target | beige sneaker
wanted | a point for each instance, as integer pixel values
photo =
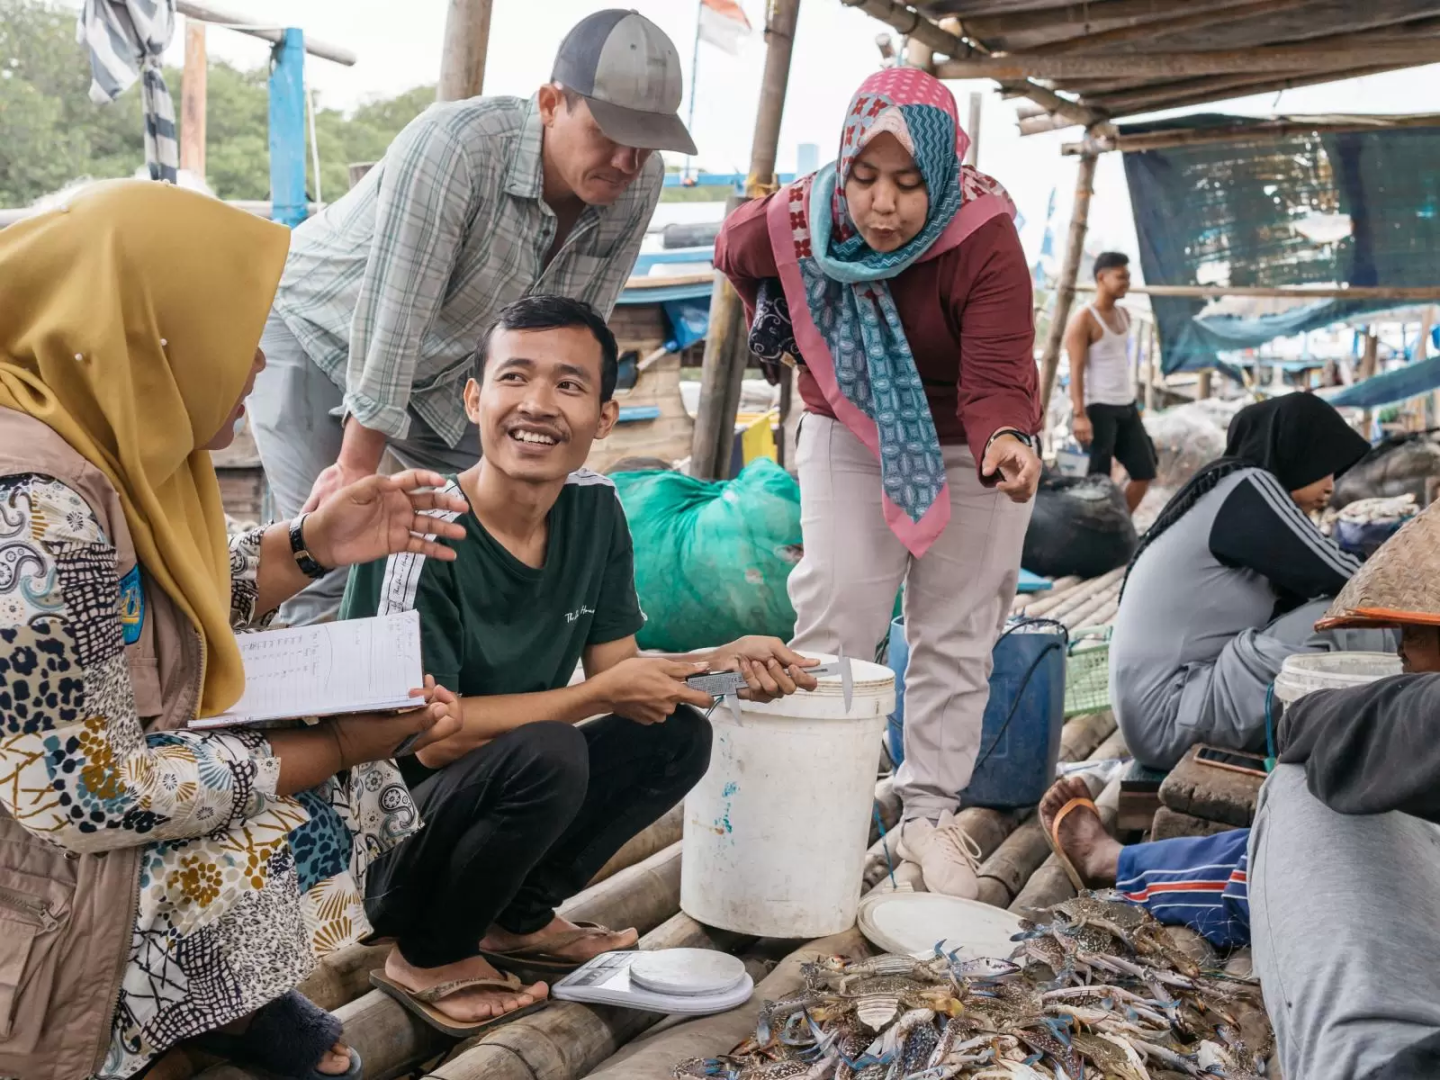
(947, 856)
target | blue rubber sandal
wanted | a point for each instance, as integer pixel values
(286, 1039)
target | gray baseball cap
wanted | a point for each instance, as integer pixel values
(628, 72)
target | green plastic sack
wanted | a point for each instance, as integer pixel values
(712, 557)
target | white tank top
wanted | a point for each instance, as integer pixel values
(1107, 365)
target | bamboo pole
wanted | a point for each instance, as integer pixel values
(1420, 293)
(1368, 361)
(462, 57)
(344, 975)
(1159, 65)
(656, 1055)
(192, 100)
(972, 153)
(919, 55)
(1264, 131)
(641, 896)
(949, 43)
(1086, 592)
(723, 368)
(1005, 873)
(1050, 884)
(1204, 384)
(1082, 14)
(1041, 602)
(1167, 25)
(659, 836)
(1065, 293)
(1085, 613)
(208, 12)
(989, 828)
(567, 1040)
(1216, 88)
(393, 1042)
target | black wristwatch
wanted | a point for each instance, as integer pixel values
(303, 559)
(1016, 433)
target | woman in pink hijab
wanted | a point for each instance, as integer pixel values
(895, 278)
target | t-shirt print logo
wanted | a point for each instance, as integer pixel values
(573, 615)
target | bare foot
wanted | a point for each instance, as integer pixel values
(466, 1006)
(1095, 853)
(578, 950)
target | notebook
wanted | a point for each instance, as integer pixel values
(360, 665)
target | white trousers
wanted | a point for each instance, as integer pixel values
(957, 597)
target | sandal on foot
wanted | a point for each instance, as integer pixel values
(286, 1040)
(422, 1002)
(1052, 837)
(539, 963)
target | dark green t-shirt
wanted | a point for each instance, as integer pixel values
(489, 624)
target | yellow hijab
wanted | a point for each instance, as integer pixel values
(128, 324)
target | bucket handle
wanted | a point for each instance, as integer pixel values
(1024, 685)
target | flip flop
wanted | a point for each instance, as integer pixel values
(1052, 837)
(538, 963)
(285, 1041)
(422, 1002)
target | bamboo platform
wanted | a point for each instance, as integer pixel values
(640, 887)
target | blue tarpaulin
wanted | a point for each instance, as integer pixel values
(1404, 383)
(1247, 213)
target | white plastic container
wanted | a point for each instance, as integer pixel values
(776, 831)
(1305, 673)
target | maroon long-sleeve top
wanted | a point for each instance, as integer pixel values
(967, 315)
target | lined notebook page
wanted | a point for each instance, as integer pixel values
(361, 665)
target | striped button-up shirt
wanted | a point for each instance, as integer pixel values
(389, 289)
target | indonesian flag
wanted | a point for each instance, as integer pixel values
(723, 24)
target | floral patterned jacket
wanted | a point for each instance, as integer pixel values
(226, 893)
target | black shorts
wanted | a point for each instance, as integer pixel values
(1120, 433)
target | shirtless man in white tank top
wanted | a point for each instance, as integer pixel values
(1102, 392)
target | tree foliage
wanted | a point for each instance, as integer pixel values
(52, 133)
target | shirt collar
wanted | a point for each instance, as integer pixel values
(525, 177)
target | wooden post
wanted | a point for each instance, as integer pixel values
(919, 55)
(972, 154)
(1432, 403)
(462, 63)
(1203, 385)
(358, 169)
(1065, 291)
(1368, 359)
(725, 348)
(783, 454)
(192, 100)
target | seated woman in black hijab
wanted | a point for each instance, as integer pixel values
(1230, 580)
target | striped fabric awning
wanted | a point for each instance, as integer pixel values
(126, 39)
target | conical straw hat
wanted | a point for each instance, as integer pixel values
(1400, 583)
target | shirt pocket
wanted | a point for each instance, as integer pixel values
(34, 912)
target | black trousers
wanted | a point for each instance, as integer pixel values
(1119, 432)
(520, 825)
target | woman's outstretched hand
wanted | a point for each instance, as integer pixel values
(384, 515)
(1017, 464)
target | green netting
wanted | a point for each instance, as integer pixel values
(1267, 213)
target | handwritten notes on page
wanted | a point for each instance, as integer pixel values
(361, 665)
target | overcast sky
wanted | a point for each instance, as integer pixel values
(835, 50)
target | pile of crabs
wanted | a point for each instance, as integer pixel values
(1099, 991)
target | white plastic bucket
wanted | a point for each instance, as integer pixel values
(1305, 673)
(776, 831)
(1072, 461)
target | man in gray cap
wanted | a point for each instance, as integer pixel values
(476, 203)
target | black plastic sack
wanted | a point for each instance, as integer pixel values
(1401, 465)
(1080, 526)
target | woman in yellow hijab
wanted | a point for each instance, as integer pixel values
(158, 884)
